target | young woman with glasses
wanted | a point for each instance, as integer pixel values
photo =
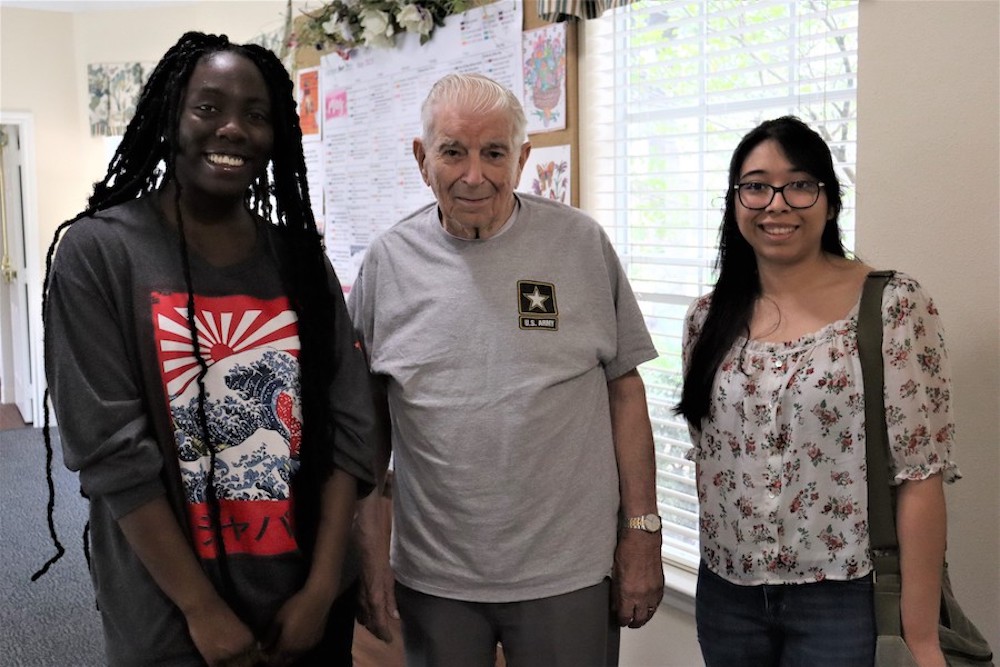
(775, 403)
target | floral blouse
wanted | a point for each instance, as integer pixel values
(780, 458)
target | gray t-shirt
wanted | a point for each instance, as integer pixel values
(497, 355)
(118, 355)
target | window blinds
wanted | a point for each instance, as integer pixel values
(667, 90)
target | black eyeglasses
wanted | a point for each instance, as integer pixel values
(798, 194)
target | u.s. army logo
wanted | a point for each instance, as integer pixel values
(536, 305)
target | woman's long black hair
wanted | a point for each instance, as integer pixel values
(738, 285)
(152, 137)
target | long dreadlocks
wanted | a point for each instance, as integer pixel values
(151, 139)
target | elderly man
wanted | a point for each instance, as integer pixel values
(506, 338)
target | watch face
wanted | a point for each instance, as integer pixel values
(651, 522)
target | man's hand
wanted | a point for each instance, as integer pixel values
(377, 604)
(377, 608)
(637, 581)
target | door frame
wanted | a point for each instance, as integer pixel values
(25, 122)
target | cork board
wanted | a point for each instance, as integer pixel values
(308, 56)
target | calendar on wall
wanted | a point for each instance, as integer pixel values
(370, 114)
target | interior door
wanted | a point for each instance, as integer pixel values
(14, 276)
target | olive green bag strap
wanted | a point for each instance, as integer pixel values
(961, 641)
(881, 505)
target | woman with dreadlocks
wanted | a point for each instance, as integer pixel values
(207, 383)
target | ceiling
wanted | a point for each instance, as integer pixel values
(89, 5)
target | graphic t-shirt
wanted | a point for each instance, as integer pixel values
(124, 382)
(253, 414)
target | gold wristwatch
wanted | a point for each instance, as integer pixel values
(647, 522)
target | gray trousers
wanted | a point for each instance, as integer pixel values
(571, 630)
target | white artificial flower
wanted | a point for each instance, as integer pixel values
(339, 27)
(330, 26)
(344, 31)
(377, 28)
(415, 19)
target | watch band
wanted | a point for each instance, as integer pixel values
(648, 522)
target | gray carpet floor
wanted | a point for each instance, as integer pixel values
(52, 622)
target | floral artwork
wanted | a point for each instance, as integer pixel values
(114, 90)
(552, 181)
(545, 78)
(346, 25)
(547, 174)
(99, 106)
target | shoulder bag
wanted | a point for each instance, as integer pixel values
(962, 643)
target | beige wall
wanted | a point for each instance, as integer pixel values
(38, 75)
(44, 62)
(929, 204)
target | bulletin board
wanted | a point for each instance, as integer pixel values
(369, 111)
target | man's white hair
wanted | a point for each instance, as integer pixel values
(477, 93)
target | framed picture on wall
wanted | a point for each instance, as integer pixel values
(547, 174)
(307, 86)
(544, 64)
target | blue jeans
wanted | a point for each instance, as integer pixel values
(821, 624)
